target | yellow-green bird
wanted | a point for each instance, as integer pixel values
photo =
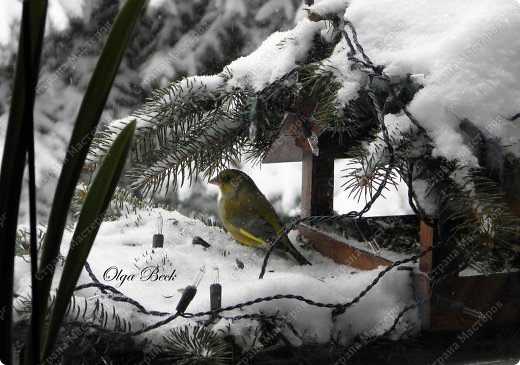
(247, 214)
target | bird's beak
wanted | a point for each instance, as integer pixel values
(214, 181)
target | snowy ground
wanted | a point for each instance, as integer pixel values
(125, 246)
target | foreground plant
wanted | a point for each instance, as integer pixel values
(11, 175)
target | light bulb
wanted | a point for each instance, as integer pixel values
(198, 277)
(215, 291)
(216, 275)
(313, 143)
(252, 131)
(159, 224)
(189, 292)
(374, 246)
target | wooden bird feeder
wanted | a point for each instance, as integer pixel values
(446, 305)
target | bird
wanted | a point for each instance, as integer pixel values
(247, 214)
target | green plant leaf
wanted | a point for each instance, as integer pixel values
(89, 221)
(84, 129)
(13, 161)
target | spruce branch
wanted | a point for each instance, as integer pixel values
(196, 345)
(207, 147)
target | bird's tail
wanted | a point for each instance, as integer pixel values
(288, 248)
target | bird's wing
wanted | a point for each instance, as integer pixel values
(255, 228)
(251, 224)
(251, 215)
(256, 222)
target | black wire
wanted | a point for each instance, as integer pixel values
(120, 297)
(93, 277)
(128, 334)
(358, 45)
(153, 326)
(378, 73)
(338, 308)
(417, 209)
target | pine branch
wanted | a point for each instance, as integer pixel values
(196, 345)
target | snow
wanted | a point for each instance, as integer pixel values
(329, 7)
(276, 56)
(350, 81)
(124, 246)
(469, 62)
(467, 50)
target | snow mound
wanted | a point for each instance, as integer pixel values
(124, 246)
(276, 56)
(468, 51)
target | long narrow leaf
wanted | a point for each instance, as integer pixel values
(86, 123)
(13, 161)
(32, 349)
(89, 221)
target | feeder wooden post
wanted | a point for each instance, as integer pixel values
(426, 234)
(422, 277)
(317, 181)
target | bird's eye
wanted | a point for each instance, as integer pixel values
(225, 178)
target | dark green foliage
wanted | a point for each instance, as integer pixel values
(18, 143)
